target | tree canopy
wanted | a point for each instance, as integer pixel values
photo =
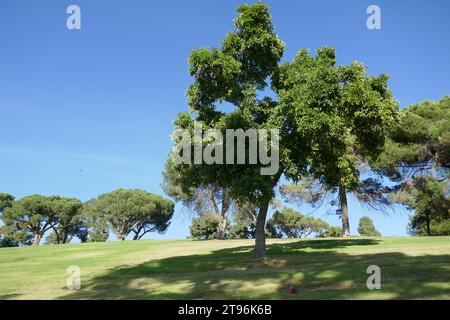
(133, 211)
(420, 143)
(204, 227)
(293, 224)
(340, 116)
(36, 214)
(32, 214)
(367, 228)
(417, 159)
(68, 220)
(429, 198)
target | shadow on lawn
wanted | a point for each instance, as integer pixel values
(232, 274)
(8, 296)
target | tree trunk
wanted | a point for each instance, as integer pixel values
(223, 216)
(221, 228)
(137, 231)
(260, 232)
(121, 237)
(428, 224)
(37, 239)
(58, 238)
(344, 210)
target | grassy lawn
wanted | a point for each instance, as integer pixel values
(319, 269)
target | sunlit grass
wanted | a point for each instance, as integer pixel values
(170, 269)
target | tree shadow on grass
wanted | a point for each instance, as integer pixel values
(232, 274)
(8, 296)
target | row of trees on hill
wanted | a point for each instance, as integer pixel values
(123, 212)
(341, 134)
(285, 223)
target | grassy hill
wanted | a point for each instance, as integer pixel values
(318, 269)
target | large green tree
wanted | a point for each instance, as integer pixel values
(420, 143)
(367, 228)
(67, 213)
(205, 226)
(417, 158)
(133, 211)
(340, 115)
(37, 214)
(237, 73)
(429, 198)
(327, 116)
(9, 237)
(31, 214)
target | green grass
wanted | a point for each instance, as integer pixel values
(411, 268)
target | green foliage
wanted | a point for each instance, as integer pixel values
(308, 190)
(6, 234)
(420, 141)
(272, 231)
(129, 211)
(367, 228)
(340, 115)
(11, 237)
(201, 199)
(235, 73)
(68, 220)
(293, 224)
(244, 221)
(95, 221)
(429, 198)
(31, 214)
(440, 228)
(51, 239)
(331, 231)
(98, 235)
(6, 201)
(241, 230)
(204, 227)
(35, 215)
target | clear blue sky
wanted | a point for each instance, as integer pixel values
(87, 111)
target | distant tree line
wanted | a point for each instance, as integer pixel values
(285, 223)
(123, 212)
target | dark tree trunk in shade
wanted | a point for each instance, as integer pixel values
(428, 224)
(344, 210)
(222, 226)
(260, 232)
